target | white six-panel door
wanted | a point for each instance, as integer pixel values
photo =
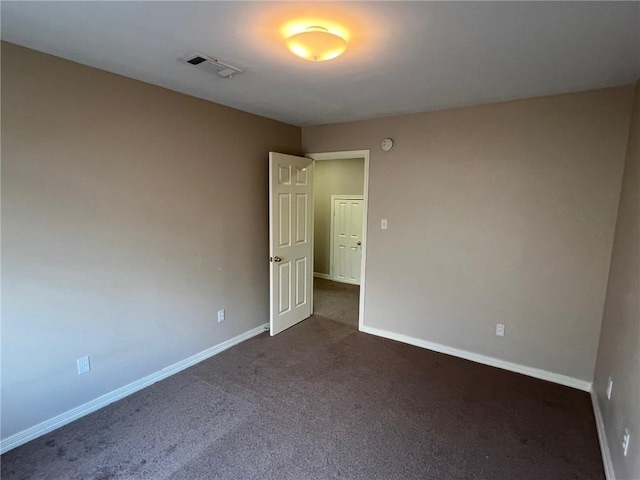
(346, 238)
(290, 240)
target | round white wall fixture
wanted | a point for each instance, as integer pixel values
(387, 144)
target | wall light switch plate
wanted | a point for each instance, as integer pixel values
(499, 330)
(221, 315)
(383, 224)
(84, 366)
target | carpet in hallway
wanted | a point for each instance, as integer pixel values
(337, 301)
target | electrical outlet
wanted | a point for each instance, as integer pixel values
(609, 388)
(84, 366)
(221, 315)
(499, 330)
(625, 441)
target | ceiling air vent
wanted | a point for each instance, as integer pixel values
(211, 65)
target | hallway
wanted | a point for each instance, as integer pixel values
(337, 301)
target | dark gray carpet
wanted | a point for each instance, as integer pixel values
(337, 301)
(321, 401)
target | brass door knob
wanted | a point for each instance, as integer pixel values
(277, 259)
(358, 243)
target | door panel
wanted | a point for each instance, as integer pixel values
(290, 245)
(301, 279)
(284, 214)
(302, 227)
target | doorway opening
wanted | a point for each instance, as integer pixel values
(340, 184)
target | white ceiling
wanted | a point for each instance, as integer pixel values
(404, 57)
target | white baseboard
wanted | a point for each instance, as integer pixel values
(67, 417)
(328, 277)
(475, 357)
(602, 437)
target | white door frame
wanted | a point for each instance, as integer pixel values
(333, 220)
(346, 155)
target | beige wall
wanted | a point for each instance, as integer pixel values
(130, 215)
(331, 177)
(619, 350)
(497, 213)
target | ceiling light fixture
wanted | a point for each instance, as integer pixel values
(317, 44)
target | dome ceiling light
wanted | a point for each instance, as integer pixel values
(317, 44)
